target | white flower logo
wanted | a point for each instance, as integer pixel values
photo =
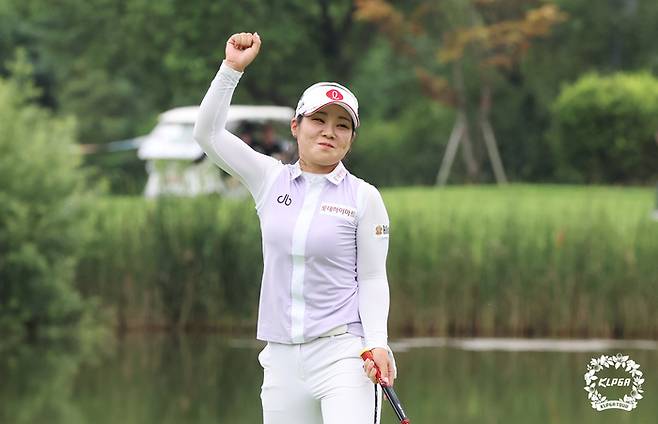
(619, 361)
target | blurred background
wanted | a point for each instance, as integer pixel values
(515, 143)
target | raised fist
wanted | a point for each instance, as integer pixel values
(242, 49)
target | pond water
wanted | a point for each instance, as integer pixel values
(145, 379)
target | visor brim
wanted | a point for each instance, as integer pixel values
(347, 107)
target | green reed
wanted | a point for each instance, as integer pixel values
(515, 261)
(174, 262)
(524, 260)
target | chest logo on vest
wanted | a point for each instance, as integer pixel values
(285, 200)
(334, 209)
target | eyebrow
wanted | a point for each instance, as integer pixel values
(339, 117)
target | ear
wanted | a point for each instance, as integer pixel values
(293, 127)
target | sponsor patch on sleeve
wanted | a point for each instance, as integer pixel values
(382, 230)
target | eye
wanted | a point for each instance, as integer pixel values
(318, 119)
(344, 126)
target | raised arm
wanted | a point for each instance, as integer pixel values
(225, 149)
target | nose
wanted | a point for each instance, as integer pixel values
(328, 131)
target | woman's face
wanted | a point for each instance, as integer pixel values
(323, 138)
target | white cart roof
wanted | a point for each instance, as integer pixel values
(172, 136)
(188, 114)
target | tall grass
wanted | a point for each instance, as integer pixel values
(175, 262)
(514, 261)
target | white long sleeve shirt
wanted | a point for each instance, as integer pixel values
(325, 237)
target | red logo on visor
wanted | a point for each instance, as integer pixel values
(334, 94)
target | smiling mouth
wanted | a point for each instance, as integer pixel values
(326, 144)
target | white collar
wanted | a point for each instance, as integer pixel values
(336, 176)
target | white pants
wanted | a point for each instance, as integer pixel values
(319, 382)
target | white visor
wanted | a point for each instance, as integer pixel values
(324, 93)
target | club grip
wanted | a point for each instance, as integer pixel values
(366, 354)
(390, 393)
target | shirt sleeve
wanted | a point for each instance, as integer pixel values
(225, 149)
(372, 248)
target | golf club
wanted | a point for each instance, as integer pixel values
(390, 393)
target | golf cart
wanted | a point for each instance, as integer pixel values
(177, 166)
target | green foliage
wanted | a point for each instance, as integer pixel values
(614, 36)
(115, 66)
(174, 262)
(605, 128)
(403, 150)
(42, 207)
(517, 261)
(523, 261)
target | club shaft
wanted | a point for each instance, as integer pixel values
(395, 403)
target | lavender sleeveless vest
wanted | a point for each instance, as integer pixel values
(309, 281)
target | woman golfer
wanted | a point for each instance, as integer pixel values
(324, 295)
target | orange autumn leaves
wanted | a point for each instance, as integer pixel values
(499, 43)
(502, 43)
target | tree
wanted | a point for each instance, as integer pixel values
(604, 129)
(116, 65)
(495, 36)
(43, 203)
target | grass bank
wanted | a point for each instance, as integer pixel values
(490, 261)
